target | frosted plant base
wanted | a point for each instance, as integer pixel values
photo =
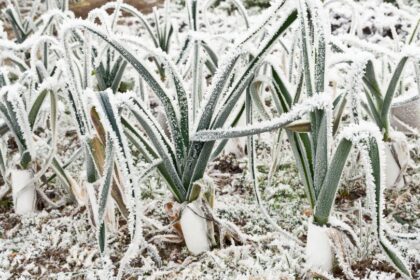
(393, 170)
(319, 253)
(23, 201)
(194, 229)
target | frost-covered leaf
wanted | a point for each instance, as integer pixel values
(319, 101)
(327, 193)
(375, 180)
(146, 74)
(390, 91)
(104, 192)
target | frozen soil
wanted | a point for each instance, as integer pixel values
(61, 243)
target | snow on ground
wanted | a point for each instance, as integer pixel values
(60, 243)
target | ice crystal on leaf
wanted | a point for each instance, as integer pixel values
(14, 96)
(317, 101)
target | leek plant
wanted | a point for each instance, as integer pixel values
(24, 25)
(320, 165)
(35, 96)
(379, 99)
(381, 88)
(27, 86)
(35, 86)
(128, 119)
(20, 117)
(160, 33)
(380, 106)
(109, 170)
(110, 69)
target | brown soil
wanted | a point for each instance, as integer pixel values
(7, 221)
(356, 192)
(82, 7)
(228, 164)
(360, 268)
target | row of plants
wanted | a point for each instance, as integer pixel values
(63, 75)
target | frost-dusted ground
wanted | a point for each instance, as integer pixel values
(60, 243)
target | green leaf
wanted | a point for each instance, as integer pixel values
(107, 179)
(149, 78)
(197, 77)
(413, 33)
(10, 116)
(256, 88)
(339, 106)
(321, 154)
(395, 258)
(212, 55)
(304, 17)
(372, 84)
(282, 90)
(303, 159)
(14, 20)
(148, 151)
(182, 96)
(184, 49)
(193, 12)
(105, 192)
(237, 89)
(199, 153)
(2, 164)
(300, 142)
(162, 146)
(387, 248)
(145, 147)
(36, 106)
(326, 197)
(118, 76)
(112, 117)
(59, 171)
(102, 237)
(234, 94)
(284, 119)
(373, 111)
(12, 125)
(204, 121)
(3, 129)
(91, 169)
(390, 92)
